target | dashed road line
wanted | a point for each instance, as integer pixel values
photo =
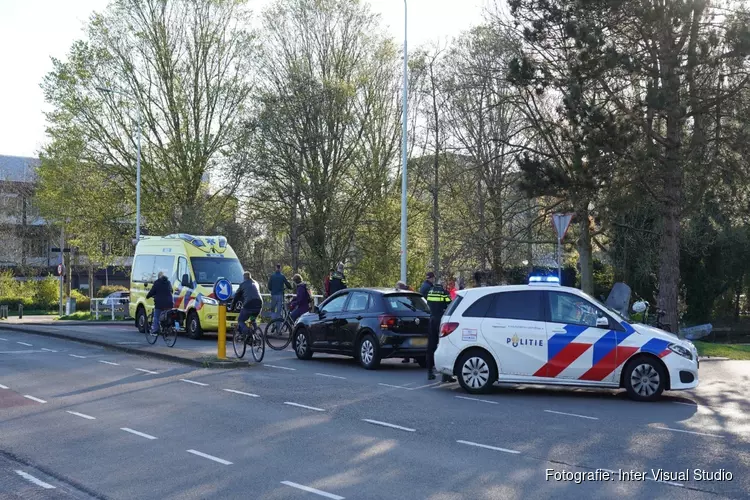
(109, 363)
(571, 414)
(76, 356)
(330, 376)
(82, 415)
(282, 367)
(242, 393)
(129, 343)
(210, 457)
(386, 424)
(488, 447)
(4, 386)
(48, 350)
(434, 384)
(303, 406)
(394, 386)
(687, 432)
(34, 399)
(26, 344)
(4, 340)
(479, 400)
(193, 382)
(141, 434)
(147, 371)
(312, 490)
(34, 480)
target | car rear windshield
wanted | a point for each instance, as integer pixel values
(406, 303)
(453, 305)
(209, 269)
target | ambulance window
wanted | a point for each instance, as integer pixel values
(525, 306)
(182, 270)
(143, 268)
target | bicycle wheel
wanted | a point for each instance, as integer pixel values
(150, 337)
(278, 334)
(257, 344)
(239, 342)
(169, 335)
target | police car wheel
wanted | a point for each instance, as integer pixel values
(476, 372)
(194, 330)
(645, 379)
(301, 344)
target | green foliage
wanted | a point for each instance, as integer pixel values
(33, 294)
(47, 292)
(83, 303)
(106, 290)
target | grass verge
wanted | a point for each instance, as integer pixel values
(731, 351)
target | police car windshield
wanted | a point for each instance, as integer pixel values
(209, 269)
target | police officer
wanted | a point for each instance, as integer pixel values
(438, 300)
(338, 280)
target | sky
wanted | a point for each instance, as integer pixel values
(32, 31)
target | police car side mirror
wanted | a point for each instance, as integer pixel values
(602, 322)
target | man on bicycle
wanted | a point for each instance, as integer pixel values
(161, 291)
(252, 303)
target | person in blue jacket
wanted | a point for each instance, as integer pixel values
(161, 291)
(276, 285)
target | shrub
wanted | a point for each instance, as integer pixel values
(83, 303)
(47, 292)
(110, 289)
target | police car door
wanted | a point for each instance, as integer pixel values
(582, 340)
(515, 331)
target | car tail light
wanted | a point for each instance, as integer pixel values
(447, 329)
(387, 322)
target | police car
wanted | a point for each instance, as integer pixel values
(543, 333)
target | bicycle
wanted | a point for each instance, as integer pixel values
(654, 320)
(166, 327)
(255, 339)
(280, 329)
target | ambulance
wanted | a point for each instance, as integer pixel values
(192, 264)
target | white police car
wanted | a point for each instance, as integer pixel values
(542, 333)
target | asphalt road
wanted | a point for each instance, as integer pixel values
(77, 421)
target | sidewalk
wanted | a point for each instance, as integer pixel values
(122, 336)
(52, 320)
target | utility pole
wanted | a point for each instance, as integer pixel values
(62, 266)
(404, 139)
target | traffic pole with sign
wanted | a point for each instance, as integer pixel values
(222, 293)
(561, 223)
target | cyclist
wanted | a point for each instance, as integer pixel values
(300, 303)
(252, 303)
(161, 291)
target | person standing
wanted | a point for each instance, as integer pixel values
(438, 300)
(301, 302)
(327, 283)
(276, 285)
(427, 284)
(338, 280)
(161, 291)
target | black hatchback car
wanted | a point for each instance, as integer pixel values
(367, 323)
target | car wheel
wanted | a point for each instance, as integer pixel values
(302, 344)
(194, 330)
(140, 319)
(644, 379)
(422, 361)
(368, 352)
(476, 372)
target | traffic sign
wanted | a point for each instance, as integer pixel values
(222, 289)
(561, 223)
(60, 270)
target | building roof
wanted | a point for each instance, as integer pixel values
(18, 168)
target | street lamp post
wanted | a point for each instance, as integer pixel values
(403, 153)
(138, 164)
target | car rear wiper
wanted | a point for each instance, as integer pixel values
(408, 305)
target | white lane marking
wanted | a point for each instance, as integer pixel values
(129, 343)
(687, 432)
(303, 406)
(434, 384)
(330, 376)
(109, 363)
(34, 480)
(665, 482)
(210, 457)
(24, 351)
(193, 382)
(143, 435)
(479, 400)
(48, 350)
(386, 424)
(312, 490)
(77, 356)
(283, 368)
(488, 447)
(394, 386)
(686, 404)
(147, 371)
(4, 386)
(571, 414)
(5, 340)
(34, 399)
(242, 393)
(82, 415)
(26, 344)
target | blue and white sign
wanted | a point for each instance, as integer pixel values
(222, 289)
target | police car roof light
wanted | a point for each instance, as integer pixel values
(544, 280)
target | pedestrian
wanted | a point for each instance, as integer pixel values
(452, 288)
(338, 280)
(427, 284)
(327, 282)
(461, 282)
(276, 285)
(438, 300)
(301, 302)
(161, 291)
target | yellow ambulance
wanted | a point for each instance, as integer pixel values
(192, 264)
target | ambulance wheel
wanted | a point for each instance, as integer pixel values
(141, 321)
(476, 371)
(645, 378)
(194, 330)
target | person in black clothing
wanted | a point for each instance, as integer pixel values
(161, 291)
(427, 284)
(438, 300)
(252, 303)
(338, 280)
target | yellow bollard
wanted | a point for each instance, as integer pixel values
(222, 346)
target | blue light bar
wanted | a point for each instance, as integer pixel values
(550, 280)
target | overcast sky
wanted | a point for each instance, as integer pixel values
(32, 31)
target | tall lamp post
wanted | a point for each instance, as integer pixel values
(403, 154)
(138, 163)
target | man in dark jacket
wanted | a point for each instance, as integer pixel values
(252, 303)
(276, 285)
(427, 284)
(301, 302)
(338, 280)
(438, 300)
(161, 291)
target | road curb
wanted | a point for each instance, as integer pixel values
(202, 363)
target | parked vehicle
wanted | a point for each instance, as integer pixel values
(116, 299)
(366, 323)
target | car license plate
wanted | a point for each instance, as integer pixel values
(419, 342)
